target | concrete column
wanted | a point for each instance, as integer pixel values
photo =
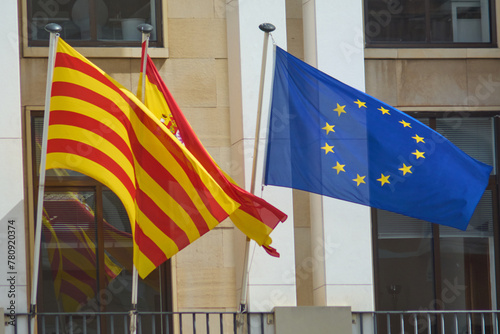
(272, 280)
(340, 231)
(13, 261)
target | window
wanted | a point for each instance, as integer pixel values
(441, 23)
(423, 266)
(94, 22)
(86, 252)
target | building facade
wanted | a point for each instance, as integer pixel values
(436, 60)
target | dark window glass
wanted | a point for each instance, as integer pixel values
(86, 252)
(423, 266)
(395, 21)
(94, 22)
(427, 22)
(405, 262)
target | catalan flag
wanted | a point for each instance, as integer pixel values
(255, 217)
(69, 230)
(99, 128)
(331, 139)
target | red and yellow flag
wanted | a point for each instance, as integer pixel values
(100, 129)
(255, 217)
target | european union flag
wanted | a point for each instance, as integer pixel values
(331, 139)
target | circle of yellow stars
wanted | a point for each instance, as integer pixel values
(360, 179)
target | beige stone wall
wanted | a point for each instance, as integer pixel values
(196, 73)
(440, 83)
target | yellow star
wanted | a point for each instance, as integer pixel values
(405, 124)
(360, 104)
(406, 169)
(328, 148)
(419, 154)
(419, 139)
(359, 179)
(384, 111)
(340, 109)
(339, 168)
(384, 179)
(328, 128)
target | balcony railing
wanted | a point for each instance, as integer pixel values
(426, 321)
(379, 322)
(147, 323)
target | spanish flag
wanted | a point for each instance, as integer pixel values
(255, 217)
(100, 129)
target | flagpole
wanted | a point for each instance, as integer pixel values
(54, 30)
(266, 28)
(145, 30)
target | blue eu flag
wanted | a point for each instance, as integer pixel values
(331, 139)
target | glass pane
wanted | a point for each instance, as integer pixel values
(460, 21)
(467, 263)
(441, 21)
(47, 11)
(466, 259)
(37, 123)
(392, 225)
(126, 15)
(468, 276)
(115, 20)
(118, 247)
(69, 265)
(470, 21)
(405, 274)
(481, 223)
(405, 269)
(445, 21)
(75, 275)
(473, 135)
(466, 273)
(395, 21)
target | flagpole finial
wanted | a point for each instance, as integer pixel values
(267, 27)
(145, 28)
(53, 28)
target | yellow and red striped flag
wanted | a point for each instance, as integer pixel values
(100, 129)
(255, 217)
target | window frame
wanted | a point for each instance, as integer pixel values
(427, 43)
(78, 184)
(100, 49)
(493, 185)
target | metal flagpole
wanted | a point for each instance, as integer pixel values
(54, 30)
(146, 30)
(266, 28)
